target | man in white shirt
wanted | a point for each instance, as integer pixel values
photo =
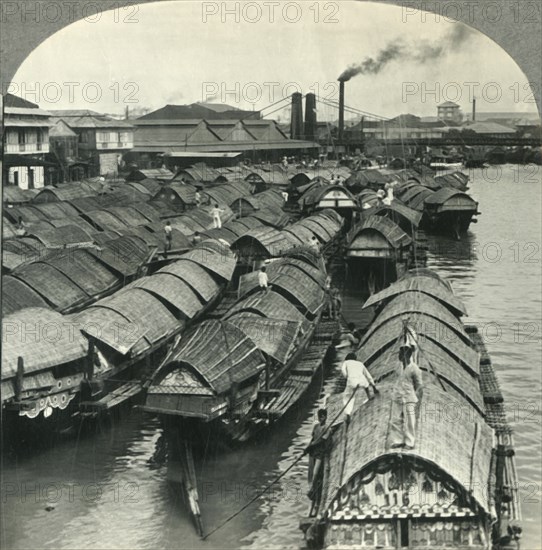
(263, 280)
(215, 213)
(407, 391)
(356, 374)
(168, 232)
(313, 243)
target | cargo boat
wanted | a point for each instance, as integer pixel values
(457, 487)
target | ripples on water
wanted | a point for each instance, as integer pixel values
(495, 270)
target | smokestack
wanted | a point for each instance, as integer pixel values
(296, 121)
(310, 117)
(473, 109)
(341, 111)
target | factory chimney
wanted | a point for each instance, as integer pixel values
(310, 117)
(296, 121)
(341, 111)
(473, 109)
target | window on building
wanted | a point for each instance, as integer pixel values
(22, 137)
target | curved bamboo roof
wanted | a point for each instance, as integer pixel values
(430, 329)
(222, 264)
(420, 284)
(42, 337)
(17, 295)
(268, 304)
(103, 220)
(388, 229)
(398, 212)
(459, 449)
(124, 254)
(274, 337)
(402, 305)
(319, 191)
(171, 290)
(233, 357)
(14, 194)
(445, 194)
(57, 210)
(197, 277)
(453, 441)
(130, 320)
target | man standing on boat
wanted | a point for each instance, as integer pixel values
(356, 375)
(168, 231)
(350, 339)
(407, 391)
(317, 450)
(263, 280)
(215, 213)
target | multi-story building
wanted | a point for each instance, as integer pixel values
(449, 111)
(26, 142)
(102, 140)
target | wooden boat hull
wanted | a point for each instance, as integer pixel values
(453, 223)
(243, 411)
(453, 484)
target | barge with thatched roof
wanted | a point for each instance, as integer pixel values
(456, 487)
(258, 365)
(63, 365)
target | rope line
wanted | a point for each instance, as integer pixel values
(243, 508)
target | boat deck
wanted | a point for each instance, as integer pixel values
(302, 375)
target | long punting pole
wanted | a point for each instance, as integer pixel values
(190, 483)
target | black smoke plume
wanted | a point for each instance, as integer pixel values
(421, 52)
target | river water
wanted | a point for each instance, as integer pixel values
(104, 489)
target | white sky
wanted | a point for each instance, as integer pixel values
(168, 54)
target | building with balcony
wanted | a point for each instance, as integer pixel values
(26, 142)
(101, 140)
(449, 111)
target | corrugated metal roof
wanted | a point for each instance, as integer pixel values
(42, 338)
